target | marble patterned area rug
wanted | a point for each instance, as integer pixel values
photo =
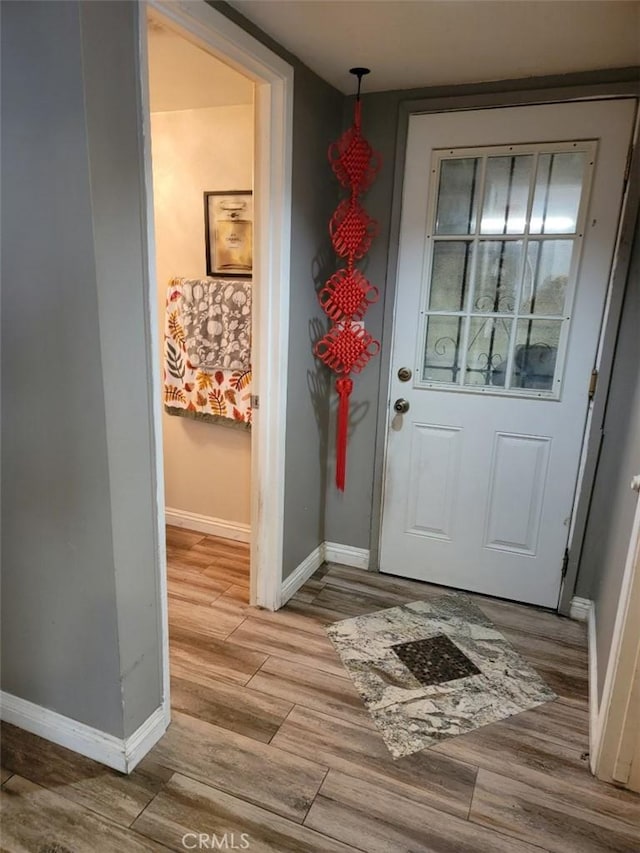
(431, 670)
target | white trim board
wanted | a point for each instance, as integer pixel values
(208, 524)
(580, 609)
(122, 754)
(302, 573)
(611, 712)
(594, 705)
(331, 552)
(346, 555)
(152, 332)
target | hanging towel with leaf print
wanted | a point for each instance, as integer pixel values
(207, 351)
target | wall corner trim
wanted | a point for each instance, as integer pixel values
(346, 555)
(236, 530)
(331, 552)
(121, 754)
(302, 573)
(580, 609)
(594, 705)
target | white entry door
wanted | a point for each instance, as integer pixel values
(509, 219)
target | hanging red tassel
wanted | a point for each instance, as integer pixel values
(344, 387)
(347, 347)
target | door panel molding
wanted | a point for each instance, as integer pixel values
(501, 509)
(443, 457)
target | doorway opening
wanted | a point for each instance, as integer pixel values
(217, 121)
(202, 144)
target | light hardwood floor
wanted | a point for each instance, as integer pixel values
(269, 739)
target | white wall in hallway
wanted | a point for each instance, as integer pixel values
(207, 466)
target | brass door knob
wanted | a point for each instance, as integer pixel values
(401, 406)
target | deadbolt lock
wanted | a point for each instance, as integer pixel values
(401, 406)
(404, 374)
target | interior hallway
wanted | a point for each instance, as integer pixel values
(270, 738)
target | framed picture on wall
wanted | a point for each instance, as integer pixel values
(228, 218)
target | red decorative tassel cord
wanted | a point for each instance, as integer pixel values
(344, 387)
(347, 347)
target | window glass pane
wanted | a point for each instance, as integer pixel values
(557, 194)
(506, 194)
(497, 276)
(457, 196)
(487, 351)
(442, 351)
(536, 354)
(450, 275)
(545, 276)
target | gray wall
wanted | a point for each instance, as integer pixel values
(317, 117)
(613, 503)
(79, 622)
(316, 122)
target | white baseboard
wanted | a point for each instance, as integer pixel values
(146, 736)
(302, 573)
(120, 753)
(236, 530)
(594, 702)
(332, 552)
(346, 555)
(580, 608)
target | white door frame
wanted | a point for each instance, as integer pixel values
(273, 105)
(614, 752)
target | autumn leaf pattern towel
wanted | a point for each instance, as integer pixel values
(219, 396)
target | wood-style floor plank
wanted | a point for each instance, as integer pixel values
(549, 765)
(238, 593)
(290, 643)
(185, 558)
(533, 620)
(251, 713)
(537, 815)
(190, 579)
(210, 661)
(360, 752)
(192, 593)
(243, 767)
(290, 617)
(312, 688)
(180, 537)
(557, 722)
(115, 796)
(351, 603)
(203, 621)
(37, 819)
(187, 806)
(405, 588)
(220, 547)
(236, 574)
(377, 820)
(381, 592)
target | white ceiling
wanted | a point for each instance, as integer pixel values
(412, 43)
(184, 77)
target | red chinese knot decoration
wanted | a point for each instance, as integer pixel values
(345, 297)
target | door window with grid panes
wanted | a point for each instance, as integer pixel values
(505, 229)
